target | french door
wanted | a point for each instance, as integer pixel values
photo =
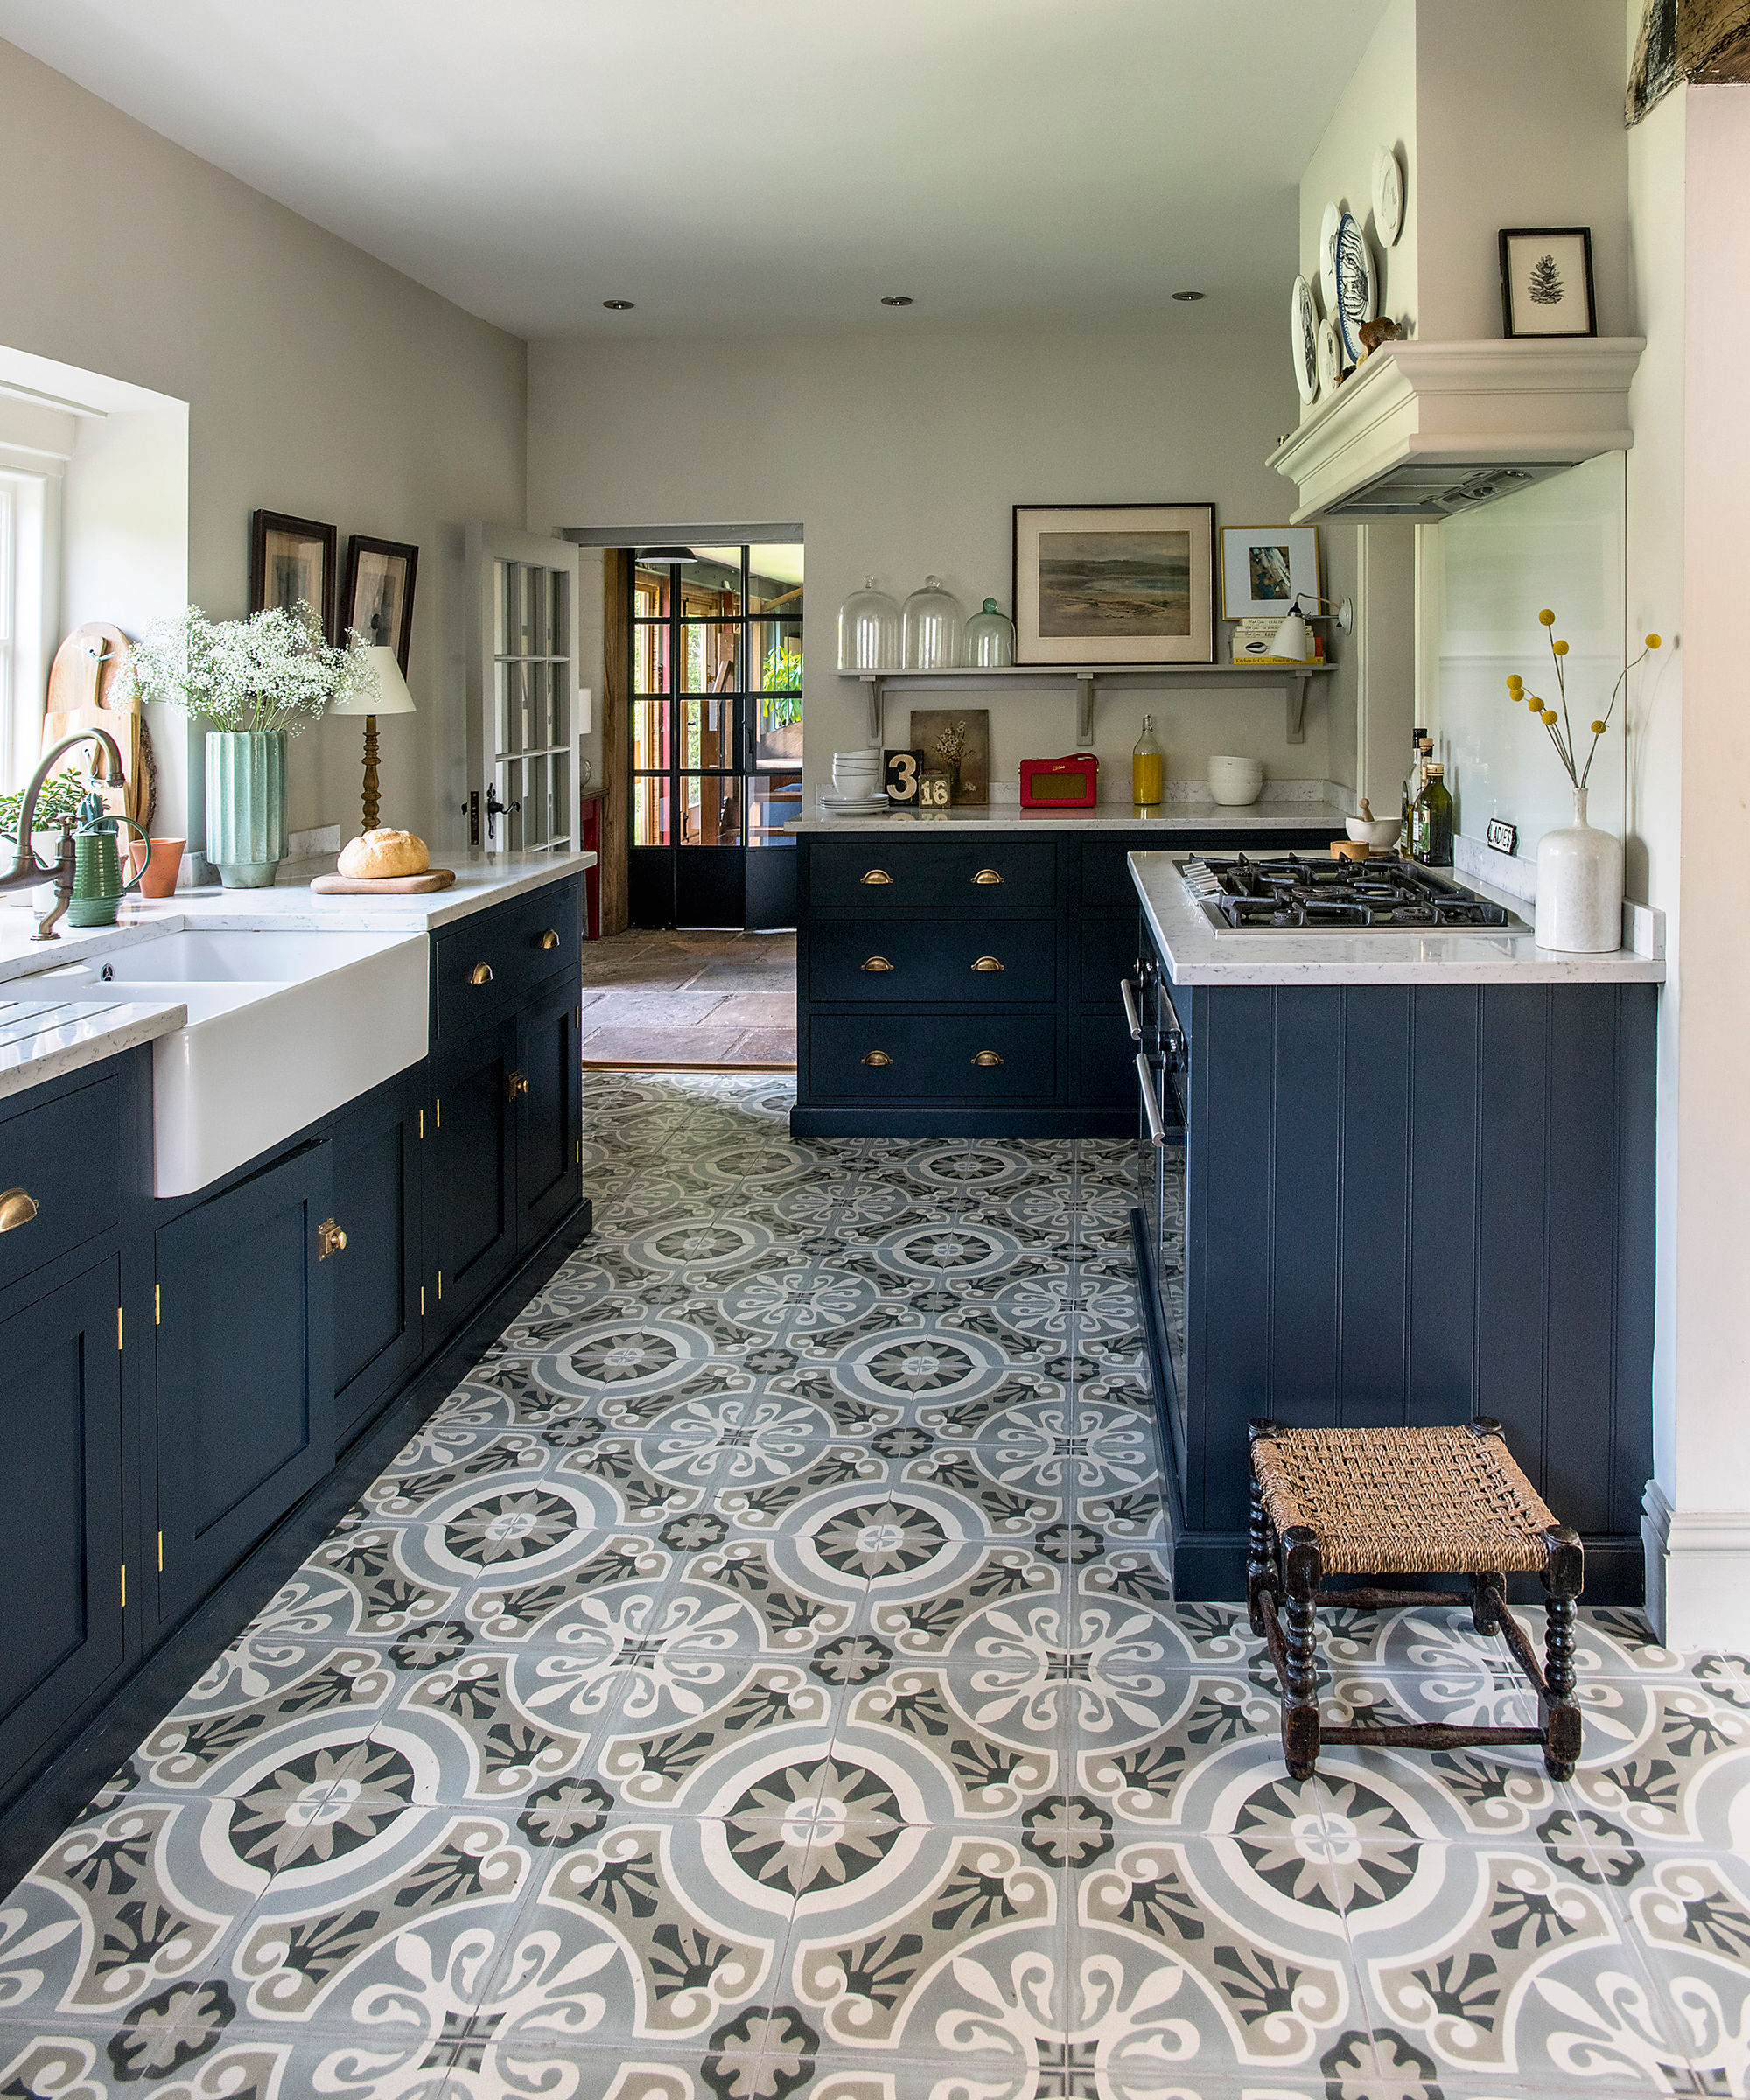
(717, 734)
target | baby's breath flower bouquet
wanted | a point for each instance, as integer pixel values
(273, 671)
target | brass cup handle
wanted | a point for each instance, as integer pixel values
(988, 1057)
(875, 875)
(481, 974)
(17, 1206)
(330, 1239)
(987, 875)
(987, 962)
(876, 1057)
(549, 939)
(877, 963)
(515, 1086)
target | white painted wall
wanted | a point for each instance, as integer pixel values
(317, 381)
(904, 454)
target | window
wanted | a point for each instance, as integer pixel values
(24, 657)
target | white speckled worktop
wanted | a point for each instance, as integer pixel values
(1168, 818)
(42, 1037)
(1196, 954)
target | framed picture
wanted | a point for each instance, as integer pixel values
(1546, 281)
(376, 596)
(1265, 567)
(291, 560)
(1115, 583)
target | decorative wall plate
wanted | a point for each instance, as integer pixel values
(1330, 358)
(1357, 290)
(1329, 226)
(1388, 197)
(1302, 338)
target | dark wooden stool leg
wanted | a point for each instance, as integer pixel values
(1261, 1574)
(1488, 1593)
(1302, 1572)
(1564, 1579)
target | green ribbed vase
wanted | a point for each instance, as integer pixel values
(246, 805)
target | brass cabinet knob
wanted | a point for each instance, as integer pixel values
(876, 875)
(987, 875)
(549, 939)
(876, 1057)
(877, 963)
(330, 1239)
(17, 1206)
(515, 1086)
(987, 1057)
(481, 974)
(987, 962)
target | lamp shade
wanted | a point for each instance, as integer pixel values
(391, 697)
(1292, 639)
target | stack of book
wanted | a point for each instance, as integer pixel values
(1254, 643)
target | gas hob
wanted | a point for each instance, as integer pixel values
(1287, 893)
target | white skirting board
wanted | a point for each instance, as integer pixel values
(1698, 1572)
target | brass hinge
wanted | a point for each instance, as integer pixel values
(421, 1301)
(161, 1552)
(421, 1126)
(437, 1112)
(580, 1151)
(124, 1585)
(440, 1283)
(157, 1306)
(118, 1327)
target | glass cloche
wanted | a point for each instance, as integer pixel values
(869, 631)
(990, 638)
(931, 628)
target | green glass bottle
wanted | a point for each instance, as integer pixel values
(1433, 820)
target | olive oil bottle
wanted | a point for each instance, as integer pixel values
(1148, 769)
(1431, 824)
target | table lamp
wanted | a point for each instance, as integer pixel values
(390, 697)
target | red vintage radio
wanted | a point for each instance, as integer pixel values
(1071, 783)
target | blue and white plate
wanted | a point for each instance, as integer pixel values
(1303, 336)
(1357, 289)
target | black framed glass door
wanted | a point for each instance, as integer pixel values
(717, 734)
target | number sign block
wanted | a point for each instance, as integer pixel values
(904, 776)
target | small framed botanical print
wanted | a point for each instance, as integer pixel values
(376, 598)
(1115, 583)
(291, 561)
(1264, 567)
(1546, 281)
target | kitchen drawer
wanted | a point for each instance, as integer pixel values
(876, 872)
(519, 944)
(932, 1056)
(67, 1156)
(1109, 954)
(898, 961)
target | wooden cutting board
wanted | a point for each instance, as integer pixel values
(379, 886)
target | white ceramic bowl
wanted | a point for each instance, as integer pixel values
(856, 771)
(1379, 833)
(1235, 781)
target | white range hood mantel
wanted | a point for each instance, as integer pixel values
(1431, 429)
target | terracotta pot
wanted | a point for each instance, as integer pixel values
(159, 879)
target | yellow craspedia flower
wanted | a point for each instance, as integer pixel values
(1547, 617)
(1653, 641)
(1515, 684)
(1597, 729)
(1549, 715)
(1560, 648)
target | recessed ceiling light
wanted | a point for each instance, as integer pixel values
(896, 299)
(1188, 298)
(625, 305)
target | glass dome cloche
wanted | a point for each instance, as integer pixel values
(869, 631)
(990, 638)
(931, 628)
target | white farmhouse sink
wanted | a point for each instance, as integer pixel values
(282, 1027)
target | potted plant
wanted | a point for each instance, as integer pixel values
(256, 682)
(58, 796)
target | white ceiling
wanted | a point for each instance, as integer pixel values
(754, 165)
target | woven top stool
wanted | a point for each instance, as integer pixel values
(1401, 1501)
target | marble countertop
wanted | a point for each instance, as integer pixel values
(1169, 817)
(42, 1037)
(1196, 954)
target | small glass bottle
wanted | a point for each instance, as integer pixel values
(1433, 820)
(1148, 769)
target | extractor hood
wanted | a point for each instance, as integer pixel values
(1432, 429)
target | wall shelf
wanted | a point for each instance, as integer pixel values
(1085, 681)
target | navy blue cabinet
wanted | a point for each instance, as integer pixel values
(61, 1616)
(378, 1168)
(474, 1178)
(550, 1108)
(245, 1367)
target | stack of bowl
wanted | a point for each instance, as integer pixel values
(856, 775)
(1236, 780)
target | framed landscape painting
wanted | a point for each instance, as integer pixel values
(1115, 583)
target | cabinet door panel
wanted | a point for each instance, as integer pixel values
(65, 1154)
(548, 1116)
(377, 1327)
(245, 1368)
(476, 1190)
(61, 1561)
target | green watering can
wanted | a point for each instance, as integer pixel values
(98, 888)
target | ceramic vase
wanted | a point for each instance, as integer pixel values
(1579, 888)
(161, 861)
(246, 838)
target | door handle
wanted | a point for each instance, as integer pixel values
(481, 974)
(515, 1086)
(875, 875)
(1150, 1106)
(987, 962)
(330, 1239)
(988, 1057)
(549, 939)
(1133, 1018)
(17, 1206)
(876, 1057)
(987, 875)
(877, 963)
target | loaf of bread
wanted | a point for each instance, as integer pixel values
(380, 853)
